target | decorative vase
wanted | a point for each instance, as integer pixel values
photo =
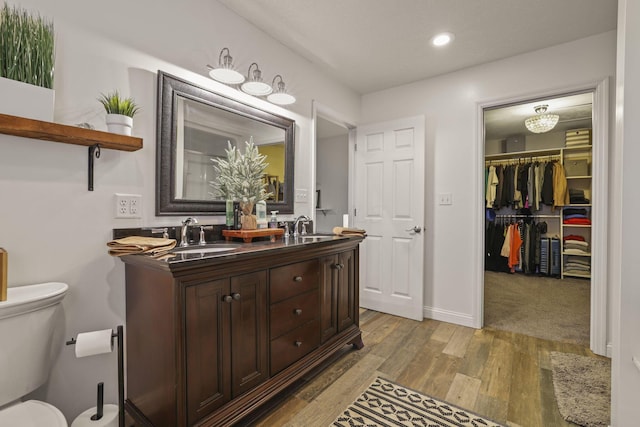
(248, 220)
(26, 100)
(120, 124)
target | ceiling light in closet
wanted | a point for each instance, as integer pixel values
(280, 95)
(442, 39)
(254, 84)
(541, 122)
(225, 71)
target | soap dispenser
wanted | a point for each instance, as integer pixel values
(261, 214)
(273, 221)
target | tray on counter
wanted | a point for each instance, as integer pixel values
(249, 235)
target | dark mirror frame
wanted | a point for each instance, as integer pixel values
(169, 87)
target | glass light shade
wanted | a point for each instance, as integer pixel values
(226, 75)
(281, 98)
(256, 88)
(541, 122)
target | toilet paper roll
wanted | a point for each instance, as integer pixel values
(345, 220)
(96, 342)
(109, 417)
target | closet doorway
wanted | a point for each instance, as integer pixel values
(544, 218)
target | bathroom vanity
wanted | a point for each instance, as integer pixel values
(214, 332)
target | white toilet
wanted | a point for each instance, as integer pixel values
(27, 324)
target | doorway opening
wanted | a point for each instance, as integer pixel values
(544, 256)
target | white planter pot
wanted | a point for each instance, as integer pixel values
(25, 100)
(118, 123)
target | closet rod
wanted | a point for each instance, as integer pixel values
(526, 216)
(523, 159)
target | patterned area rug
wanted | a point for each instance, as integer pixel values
(385, 403)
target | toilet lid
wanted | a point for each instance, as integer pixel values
(32, 413)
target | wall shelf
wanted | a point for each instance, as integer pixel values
(47, 131)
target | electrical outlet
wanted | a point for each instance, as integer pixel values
(301, 195)
(128, 205)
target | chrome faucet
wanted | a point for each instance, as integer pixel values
(184, 241)
(296, 222)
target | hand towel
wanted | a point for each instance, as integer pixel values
(140, 245)
(346, 231)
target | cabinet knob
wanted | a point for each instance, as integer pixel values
(298, 311)
(227, 298)
(297, 279)
(298, 343)
(236, 296)
(338, 266)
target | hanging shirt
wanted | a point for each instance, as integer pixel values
(514, 251)
(492, 184)
(560, 192)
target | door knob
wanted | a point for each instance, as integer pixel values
(235, 296)
(227, 298)
(298, 343)
(298, 311)
(417, 229)
(297, 279)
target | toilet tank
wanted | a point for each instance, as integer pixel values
(28, 319)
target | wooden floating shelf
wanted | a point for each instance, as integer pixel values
(47, 131)
(249, 235)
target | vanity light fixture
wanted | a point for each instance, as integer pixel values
(254, 84)
(541, 122)
(280, 95)
(442, 39)
(225, 72)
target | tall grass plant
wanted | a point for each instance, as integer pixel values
(27, 50)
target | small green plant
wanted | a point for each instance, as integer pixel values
(27, 51)
(114, 104)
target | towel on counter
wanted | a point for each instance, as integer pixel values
(140, 245)
(346, 231)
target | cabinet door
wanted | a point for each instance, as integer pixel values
(328, 297)
(249, 334)
(207, 345)
(347, 301)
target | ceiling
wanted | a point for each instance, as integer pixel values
(372, 45)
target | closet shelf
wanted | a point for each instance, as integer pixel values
(47, 131)
(579, 177)
(571, 254)
(577, 225)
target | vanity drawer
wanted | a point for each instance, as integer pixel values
(292, 346)
(294, 312)
(294, 279)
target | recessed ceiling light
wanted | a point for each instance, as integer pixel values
(442, 39)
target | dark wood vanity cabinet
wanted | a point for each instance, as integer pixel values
(210, 342)
(226, 340)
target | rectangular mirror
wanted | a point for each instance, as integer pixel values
(194, 127)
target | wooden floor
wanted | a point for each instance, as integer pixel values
(501, 375)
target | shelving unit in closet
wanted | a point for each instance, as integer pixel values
(576, 216)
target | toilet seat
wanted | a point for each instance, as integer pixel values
(32, 413)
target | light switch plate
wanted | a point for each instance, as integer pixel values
(445, 199)
(301, 195)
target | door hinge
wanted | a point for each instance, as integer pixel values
(355, 212)
(355, 147)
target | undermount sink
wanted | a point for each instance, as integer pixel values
(315, 237)
(222, 247)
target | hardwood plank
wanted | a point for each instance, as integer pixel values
(457, 345)
(524, 402)
(443, 332)
(463, 391)
(283, 414)
(477, 354)
(444, 370)
(550, 412)
(422, 366)
(491, 407)
(496, 375)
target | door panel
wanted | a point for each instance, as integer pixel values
(389, 203)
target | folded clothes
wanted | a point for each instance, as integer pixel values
(140, 245)
(575, 216)
(576, 243)
(577, 221)
(573, 237)
(575, 251)
(574, 211)
(347, 231)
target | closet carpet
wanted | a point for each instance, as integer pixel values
(541, 307)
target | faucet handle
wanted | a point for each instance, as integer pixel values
(304, 229)
(286, 227)
(190, 221)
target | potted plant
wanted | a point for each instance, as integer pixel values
(240, 178)
(27, 57)
(120, 112)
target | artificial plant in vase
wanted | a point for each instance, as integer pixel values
(240, 178)
(120, 112)
(27, 56)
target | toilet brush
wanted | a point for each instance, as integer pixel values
(99, 403)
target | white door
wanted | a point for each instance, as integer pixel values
(389, 202)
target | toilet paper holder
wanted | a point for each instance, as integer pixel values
(119, 335)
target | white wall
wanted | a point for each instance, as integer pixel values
(450, 105)
(332, 176)
(52, 227)
(625, 387)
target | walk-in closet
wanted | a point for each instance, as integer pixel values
(538, 217)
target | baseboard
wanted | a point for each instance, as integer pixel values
(454, 317)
